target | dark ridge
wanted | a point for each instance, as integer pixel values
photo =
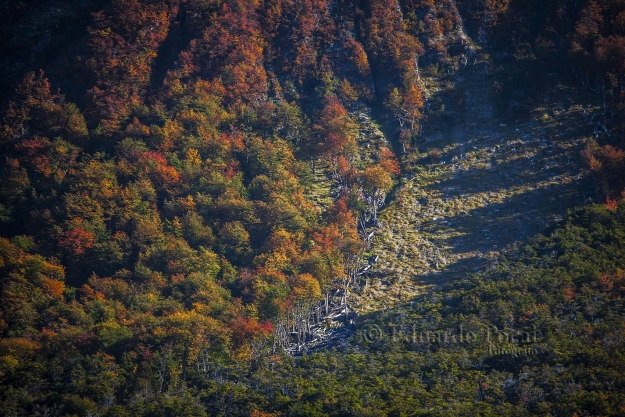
(177, 40)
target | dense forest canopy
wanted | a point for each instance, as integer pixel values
(189, 191)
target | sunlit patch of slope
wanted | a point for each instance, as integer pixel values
(476, 182)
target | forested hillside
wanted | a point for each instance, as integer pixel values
(263, 207)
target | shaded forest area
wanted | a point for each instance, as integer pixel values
(165, 240)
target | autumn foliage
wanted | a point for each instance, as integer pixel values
(162, 217)
(162, 204)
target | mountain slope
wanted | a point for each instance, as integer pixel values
(312, 207)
